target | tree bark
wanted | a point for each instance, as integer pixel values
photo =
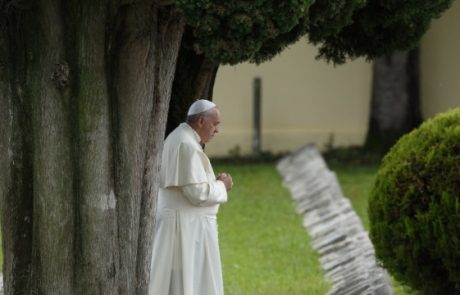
(395, 104)
(85, 88)
(194, 79)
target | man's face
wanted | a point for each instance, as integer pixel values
(208, 126)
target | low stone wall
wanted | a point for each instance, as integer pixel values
(345, 250)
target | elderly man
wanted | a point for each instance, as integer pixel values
(186, 259)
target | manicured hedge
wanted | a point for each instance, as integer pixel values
(414, 207)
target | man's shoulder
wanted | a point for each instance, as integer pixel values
(180, 139)
(178, 136)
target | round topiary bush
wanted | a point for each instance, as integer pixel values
(414, 207)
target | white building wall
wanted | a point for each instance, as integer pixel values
(440, 64)
(303, 101)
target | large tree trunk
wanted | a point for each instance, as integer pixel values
(84, 94)
(395, 104)
(194, 79)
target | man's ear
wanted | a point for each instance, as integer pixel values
(201, 121)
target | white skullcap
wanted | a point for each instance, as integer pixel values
(199, 106)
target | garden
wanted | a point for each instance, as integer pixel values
(408, 202)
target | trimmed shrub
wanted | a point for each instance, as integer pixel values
(414, 207)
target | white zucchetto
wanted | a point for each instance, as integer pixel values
(199, 106)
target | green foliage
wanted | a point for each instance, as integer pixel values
(328, 18)
(414, 208)
(230, 32)
(379, 28)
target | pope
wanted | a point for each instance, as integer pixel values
(186, 258)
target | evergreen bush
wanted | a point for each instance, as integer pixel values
(414, 207)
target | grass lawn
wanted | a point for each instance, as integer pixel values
(264, 247)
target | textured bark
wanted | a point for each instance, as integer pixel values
(52, 179)
(395, 104)
(96, 203)
(194, 79)
(85, 88)
(170, 30)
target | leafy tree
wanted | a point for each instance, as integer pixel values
(85, 89)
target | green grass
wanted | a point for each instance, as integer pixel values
(264, 247)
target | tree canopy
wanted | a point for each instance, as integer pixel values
(229, 32)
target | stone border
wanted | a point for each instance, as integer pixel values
(345, 250)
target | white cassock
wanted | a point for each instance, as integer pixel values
(186, 258)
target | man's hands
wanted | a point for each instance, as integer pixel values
(226, 179)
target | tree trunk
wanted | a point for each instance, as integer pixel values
(84, 88)
(395, 104)
(194, 79)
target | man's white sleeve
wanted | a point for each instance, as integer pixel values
(206, 194)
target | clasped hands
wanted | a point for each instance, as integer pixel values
(226, 179)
